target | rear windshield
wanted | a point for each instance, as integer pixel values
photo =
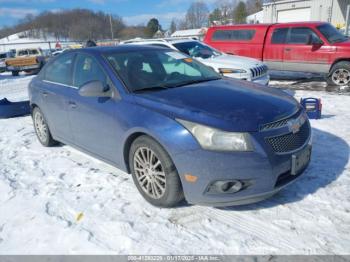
(233, 35)
(331, 33)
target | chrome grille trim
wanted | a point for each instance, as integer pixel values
(259, 71)
(280, 123)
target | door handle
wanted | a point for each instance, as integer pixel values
(45, 94)
(72, 104)
(288, 49)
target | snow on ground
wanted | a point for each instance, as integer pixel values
(43, 191)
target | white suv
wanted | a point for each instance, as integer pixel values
(238, 67)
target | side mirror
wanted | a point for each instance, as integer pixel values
(94, 88)
(315, 40)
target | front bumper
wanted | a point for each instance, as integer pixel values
(262, 80)
(265, 172)
(23, 68)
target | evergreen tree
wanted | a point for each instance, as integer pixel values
(240, 13)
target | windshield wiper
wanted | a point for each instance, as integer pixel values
(150, 88)
(196, 81)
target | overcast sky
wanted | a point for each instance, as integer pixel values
(134, 12)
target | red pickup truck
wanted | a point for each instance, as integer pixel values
(305, 46)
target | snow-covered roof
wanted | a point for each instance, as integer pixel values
(189, 32)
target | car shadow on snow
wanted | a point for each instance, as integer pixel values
(329, 159)
(6, 76)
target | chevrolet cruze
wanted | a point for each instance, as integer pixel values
(182, 130)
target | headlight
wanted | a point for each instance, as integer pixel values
(231, 71)
(214, 139)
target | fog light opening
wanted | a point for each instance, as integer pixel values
(232, 186)
(227, 187)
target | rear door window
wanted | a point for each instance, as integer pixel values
(279, 36)
(60, 70)
(233, 35)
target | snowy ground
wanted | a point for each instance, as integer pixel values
(43, 191)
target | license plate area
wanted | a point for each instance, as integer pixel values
(300, 160)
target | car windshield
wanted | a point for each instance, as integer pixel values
(331, 33)
(197, 49)
(2, 56)
(157, 69)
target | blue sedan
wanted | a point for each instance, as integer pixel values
(182, 130)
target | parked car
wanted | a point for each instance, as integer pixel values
(180, 128)
(28, 59)
(234, 66)
(316, 47)
(3, 57)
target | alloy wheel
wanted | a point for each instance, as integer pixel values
(341, 77)
(149, 172)
(40, 126)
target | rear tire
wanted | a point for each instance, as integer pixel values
(154, 173)
(41, 128)
(339, 74)
(15, 73)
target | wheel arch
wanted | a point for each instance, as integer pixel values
(127, 145)
(338, 61)
(32, 106)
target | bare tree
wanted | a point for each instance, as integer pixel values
(76, 24)
(173, 26)
(227, 8)
(197, 15)
(254, 6)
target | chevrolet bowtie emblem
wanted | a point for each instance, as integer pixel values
(295, 124)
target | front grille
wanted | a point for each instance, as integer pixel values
(290, 142)
(259, 71)
(279, 123)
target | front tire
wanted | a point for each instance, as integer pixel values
(154, 173)
(41, 128)
(339, 74)
(15, 73)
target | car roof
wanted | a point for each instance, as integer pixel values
(163, 40)
(116, 49)
(312, 23)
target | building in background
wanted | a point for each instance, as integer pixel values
(195, 33)
(256, 18)
(332, 11)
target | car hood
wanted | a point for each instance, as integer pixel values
(230, 105)
(231, 61)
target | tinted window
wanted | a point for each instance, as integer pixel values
(331, 33)
(197, 49)
(279, 36)
(233, 35)
(22, 52)
(301, 35)
(87, 69)
(3, 56)
(60, 70)
(33, 52)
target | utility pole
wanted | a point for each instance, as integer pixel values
(347, 25)
(110, 22)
